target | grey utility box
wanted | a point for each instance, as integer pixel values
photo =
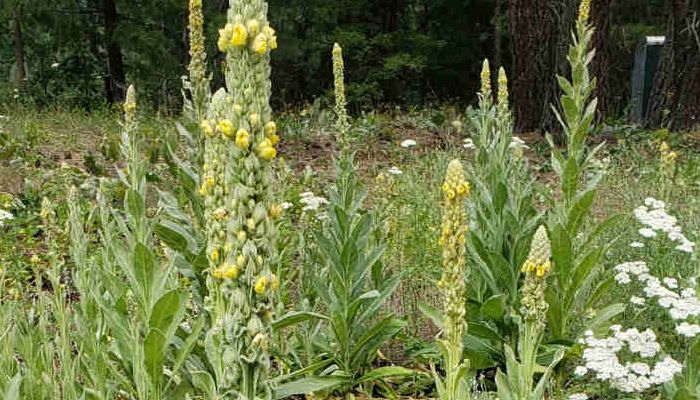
(646, 64)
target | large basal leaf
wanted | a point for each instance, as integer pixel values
(385, 373)
(154, 354)
(145, 272)
(309, 385)
(168, 312)
(296, 317)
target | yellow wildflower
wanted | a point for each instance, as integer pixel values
(266, 151)
(207, 128)
(240, 261)
(502, 88)
(241, 236)
(239, 35)
(218, 273)
(35, 259)
(584, 10)
(276, 211)
(486, 79)
(274, 282)
(231, 272)
(225, 126)
(242, 139)
(254, 119)
(225, 35)
(253, 26)
(259, 45)
(214, 255)
(209, 181)
(261, 285)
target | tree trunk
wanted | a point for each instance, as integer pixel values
(531, 34)
(497, 35)
(601, 63)
(19, 46)
(675, 100)
(115, 81)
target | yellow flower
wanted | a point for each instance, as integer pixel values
(486, 79)
(260, 285)
(541, 270)
(242, 139)
(276, 211)
(207, 128)
(254, 119)
(584, 10)
(502, 88)
(259, 45)
(225, 37)
(226, 128)
(274, 139)
(203, 190)
(272, 42)
(241, 236)
(214, 255)
(239, 35)
(231, 272)
(266, 151)
(218, 273)
(240, 261)
(270, 128)
(209, 181)
(35, 259)
(664, 147)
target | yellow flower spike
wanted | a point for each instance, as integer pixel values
(237, 109)
(270, 128)
(266, 151)
(242, 139)
(502, 88)
(541, 271)
(239, 36)
(486, 79)
(253, 26)
(240, 261)
(664, 147)
(225, 126)
(130, 104)
(538, 264)
(259, 45)
(260, 285)
(584, 11)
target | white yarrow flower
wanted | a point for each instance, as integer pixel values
(408, 143)
(637, 245)
(688, 330)
(5, 216)
(647, 232)
(637, 301)
(468, 144)
(578, 396)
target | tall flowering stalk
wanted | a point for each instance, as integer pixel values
(342, 123)
(577, 288)
(519, 382)
(240, 145)
(453, 242)
(198, 84)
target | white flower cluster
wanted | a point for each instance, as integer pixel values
(681, 305)
(469, 144)
(578, 396)
(654, 217)
(408, 143)
(5, 216)
(601, 358)
(517, 143)
(311, 201)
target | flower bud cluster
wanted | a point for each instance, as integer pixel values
(536, 268)
(453, 243)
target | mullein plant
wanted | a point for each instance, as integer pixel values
(197, 83)
(352, 285)
(519, 383)
(668, 159)
(503, 216)
(455, 385)
(578, 288)
(138, 293)
(240, 145)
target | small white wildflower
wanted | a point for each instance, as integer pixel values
(580, 370)
(637, 245)
(672, 283)
(517, 143)
(5, 216)
(688, 330)
(623, 278)
(578, 396)
(637, 301)
(395, 171)
(311, 201)
(469, 144)
(647, 233)
(55, 65)
(408, 143)
(286, 205)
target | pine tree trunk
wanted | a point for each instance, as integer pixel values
(531, 34)
(19, 47)
(115, 81)
(675, 102)
(497, 35)
(601, 63)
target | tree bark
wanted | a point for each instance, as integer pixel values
(497, 35)
(19, 46)
(531, 33)
(601, 63)
(675, 102)
(115, 81)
